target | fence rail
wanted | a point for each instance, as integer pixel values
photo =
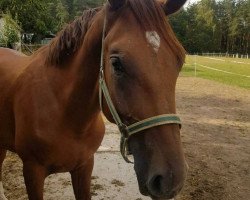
(3, 45)
(25, 48)
(237, 55)
(30, 48)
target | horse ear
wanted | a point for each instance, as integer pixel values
(116, 4)
(172, 6)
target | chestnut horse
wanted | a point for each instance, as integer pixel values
(49, 105)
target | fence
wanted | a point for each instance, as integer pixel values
(230, 71)
(25, 48)
(3, 45)
(30, 48)
(237, 55)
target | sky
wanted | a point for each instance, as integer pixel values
(191, 1)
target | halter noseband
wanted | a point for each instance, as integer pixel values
(127, 131)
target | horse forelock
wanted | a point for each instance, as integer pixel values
(151, 17)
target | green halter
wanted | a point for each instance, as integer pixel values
(127, 131)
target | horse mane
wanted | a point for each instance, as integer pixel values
(148, 13)
(151, 16)
(69, 40)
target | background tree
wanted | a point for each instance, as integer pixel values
(214, 26)
(205, 26)
(45, 16)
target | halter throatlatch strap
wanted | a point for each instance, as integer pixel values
(127, 131)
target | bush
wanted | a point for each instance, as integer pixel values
(10, 33)
(2, 39)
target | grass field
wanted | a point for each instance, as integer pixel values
(231, 71)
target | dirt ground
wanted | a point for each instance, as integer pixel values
(216, 138)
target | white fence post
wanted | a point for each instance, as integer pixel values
(195, 65)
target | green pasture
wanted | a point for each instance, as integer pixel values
(238, 69)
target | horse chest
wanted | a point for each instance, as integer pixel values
(62, 150)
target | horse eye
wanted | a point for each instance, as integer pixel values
(117, 65)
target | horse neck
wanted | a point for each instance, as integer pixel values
(82, 83)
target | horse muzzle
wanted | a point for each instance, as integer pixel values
(163, 186)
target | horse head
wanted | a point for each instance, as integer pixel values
(141, 62)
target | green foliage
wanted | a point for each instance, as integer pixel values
(76, 7)
(205, 26)
(10, 33)
(214, 26)
(43, 16)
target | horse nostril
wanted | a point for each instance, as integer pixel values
(155, 186)
(159, 186)
(162, 186)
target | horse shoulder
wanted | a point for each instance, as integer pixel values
(12, 64)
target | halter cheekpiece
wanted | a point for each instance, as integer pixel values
(127, 131)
